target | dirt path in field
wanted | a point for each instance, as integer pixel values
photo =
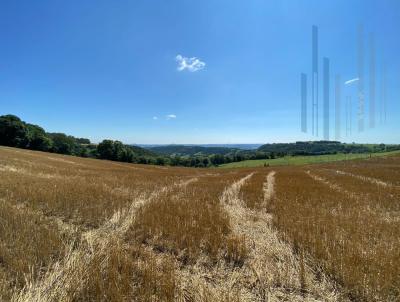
(334, 186)
(371, 180)
(384, 214)
(269, 187)
(270, 272)
(20, 170)
(326, 182)
(187, 182)
(70, 274)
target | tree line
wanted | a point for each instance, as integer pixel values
(16, 133)
(325, 147)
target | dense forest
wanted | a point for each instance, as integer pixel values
(16, 133)
(325, 147)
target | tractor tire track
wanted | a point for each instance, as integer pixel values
(67, 278)
(270, 272)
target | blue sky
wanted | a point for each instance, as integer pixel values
(106, 69)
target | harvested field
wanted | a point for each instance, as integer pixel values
(350, 226)
(75, 229)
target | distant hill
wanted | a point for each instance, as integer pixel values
(236, 146)
(324, 147)
(16, 133)
(140, 151)
(230, 146)
(191, 150)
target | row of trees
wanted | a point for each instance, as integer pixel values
(325, 147)
(115, 150)
(16, 133)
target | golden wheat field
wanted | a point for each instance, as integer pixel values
(75, 229)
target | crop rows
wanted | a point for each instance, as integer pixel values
(350, 225)
(75, 229)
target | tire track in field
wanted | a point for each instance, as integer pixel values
(23, 171)
(334, 186)
(268, 187)
(200, 282)
(331, 185)
(271, 270)
(68, 277)
(383, 214)
(371, 180)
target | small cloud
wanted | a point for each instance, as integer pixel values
(155, 118)
(191, 64)
(170, 116)
(351, 81)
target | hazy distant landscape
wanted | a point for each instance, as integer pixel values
(17, 133)
(230, 146)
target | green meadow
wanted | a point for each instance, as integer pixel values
(304, 160)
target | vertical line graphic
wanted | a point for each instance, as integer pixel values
(303, 88)
(337, 106)
(326, 98)
(360, 78)
(350, 114)
(384, 94)
(314, 81)
(347, 115)
(372, 89)
(381, 97)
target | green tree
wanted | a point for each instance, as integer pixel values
(160, 161)
(118, 151)
(127, 155)
(12, 131)
(106, 149)
(84, 141)
(62, 143)
(206, 162)
(37, 138)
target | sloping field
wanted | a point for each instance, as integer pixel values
(74, 229)
(305, 160)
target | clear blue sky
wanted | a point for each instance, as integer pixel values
(108, 69)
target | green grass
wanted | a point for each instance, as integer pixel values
(303, 160)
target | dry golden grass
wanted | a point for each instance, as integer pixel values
(74, 229)
(28, 244)
(80, 191)
(385, 169)
(48, 202)
(252, 192)
(186, 221)
(350, 225)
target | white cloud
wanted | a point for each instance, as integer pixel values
(155, 118)
(351, 81)
(170, 116)
(191, 64)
